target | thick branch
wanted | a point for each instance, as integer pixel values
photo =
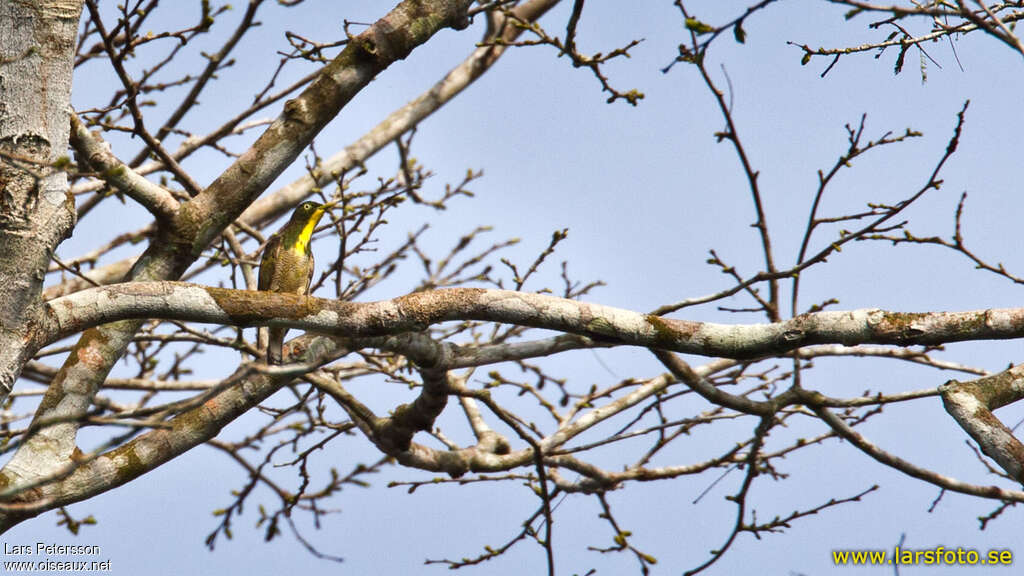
(971, 405)
(390, 39)
(91, 151)
(192, 302)
(400, 121)
(189, 429)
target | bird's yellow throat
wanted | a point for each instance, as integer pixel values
(307, 232)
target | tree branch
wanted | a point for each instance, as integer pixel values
(971, 405)
(92, 152)
(192, 302)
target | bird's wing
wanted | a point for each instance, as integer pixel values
(270, 255)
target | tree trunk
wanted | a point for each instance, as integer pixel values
(37, 42)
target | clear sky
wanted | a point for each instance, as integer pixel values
(645, 193)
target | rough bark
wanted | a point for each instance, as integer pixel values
(36, 213)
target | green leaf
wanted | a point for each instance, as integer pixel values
(805, 59)
(698, 27)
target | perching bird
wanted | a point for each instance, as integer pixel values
(287, 263)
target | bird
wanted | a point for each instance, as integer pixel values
(287, 263)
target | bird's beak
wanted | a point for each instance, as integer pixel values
(330, 205)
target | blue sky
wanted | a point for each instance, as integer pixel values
(645, 193)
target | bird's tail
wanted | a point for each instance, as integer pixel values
(274, 345)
